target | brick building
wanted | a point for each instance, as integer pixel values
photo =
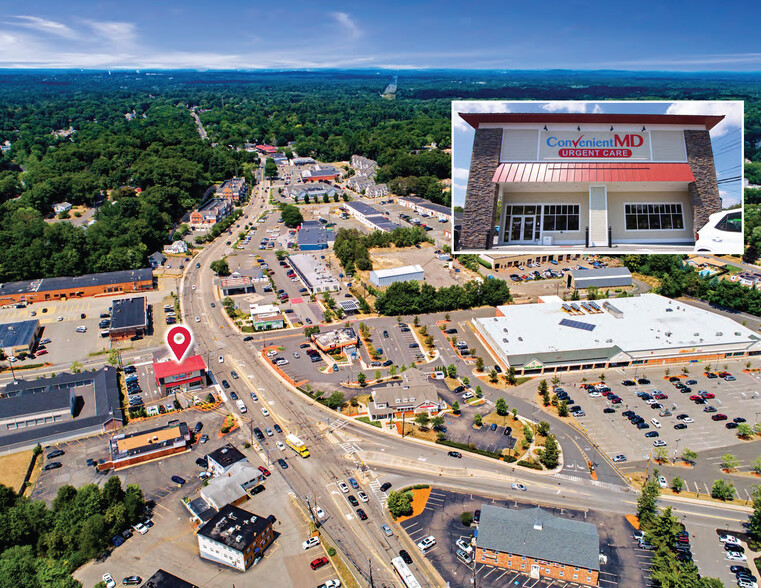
(45, 289)
(233, 190)
(535, 542)
(210, 213)
(586, 179)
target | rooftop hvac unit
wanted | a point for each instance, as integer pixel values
(719, 334)
(504, 340)
(238, 538)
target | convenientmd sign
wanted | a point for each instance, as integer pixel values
(594, 145)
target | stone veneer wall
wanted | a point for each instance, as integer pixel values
(480, 211)
(704, 191)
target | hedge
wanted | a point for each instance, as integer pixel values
(415, 487)
(466, 447)
(529, 464)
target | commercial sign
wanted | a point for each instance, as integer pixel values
(568, 145)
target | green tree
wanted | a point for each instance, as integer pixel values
(661, 454)
(423, 420)
(437, 422)
(689, 456)
(493, 376)
(723, 490)
(361, 378)
(677, 484)
(291, 216)
(466, 381)
(479, 392)
(550, 455)
(270, 168)
(113, 357)
(744, 431)
(392, 370)
(335, 400)
(399, 503)
(511, 377)
(456, 407)
(501, 406)
(647, 503)
(479, 364)
(543, 387)
(755, 465)
(220, 267)
(477, 419)
(452, 370)
(543, 428)
(76, 367)
(466, 518)
(754, 522)
(729, 462)
(563, 409)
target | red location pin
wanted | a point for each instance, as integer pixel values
(179, 340)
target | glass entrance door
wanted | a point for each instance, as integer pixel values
(522, 228)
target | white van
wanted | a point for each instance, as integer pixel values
(426, 544)
(656, 423)
(241, 406)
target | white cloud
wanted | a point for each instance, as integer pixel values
(117, 32)
(474, 106)
(44, 26)
(565, 106)
(345, 20)
(732, 111)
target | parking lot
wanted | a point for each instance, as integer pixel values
(441, 518)
(615, 435)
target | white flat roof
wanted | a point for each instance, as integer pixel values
(650, 322)
(398, 271)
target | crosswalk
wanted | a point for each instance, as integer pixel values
(350, 448)
(375, 488)
(337, 424)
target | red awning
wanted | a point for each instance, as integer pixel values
(593, 172)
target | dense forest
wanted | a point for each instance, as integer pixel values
(40, 546)
(128, 144)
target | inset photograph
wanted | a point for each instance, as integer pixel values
(602, 177)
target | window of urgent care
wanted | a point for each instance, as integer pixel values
(593, 179)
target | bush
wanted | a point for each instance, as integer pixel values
(399, 503)
(529, 464)
(466, 518)
(247, 445)
(331, 551)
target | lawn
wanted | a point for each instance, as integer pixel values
(13, 469)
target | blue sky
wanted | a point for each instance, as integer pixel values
(726, 137)
(574, 34)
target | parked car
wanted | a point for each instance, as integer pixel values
(406, 558)
(56, 453)
(311, 542)
(385, 486)
(318, 563)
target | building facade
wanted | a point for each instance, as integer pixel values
(534, 542)
(45, 289)
(210, 213)
(426, 207)
(385, 277)
(589, 179)
(497, 262)
(609, 277)
(235, 538)
(265, 317)
(233, 190)
(20, 337)
(189, 375)
(320, 174)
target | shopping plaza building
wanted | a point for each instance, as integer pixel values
(557, 336)
(588, 180)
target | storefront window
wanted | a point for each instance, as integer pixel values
(654, 217)
(561, 217)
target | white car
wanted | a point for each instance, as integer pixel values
(731, 539)
(280, 445)
(343, 487)
(334, 583)
(204, 476)
(595, 394)
(464, 545)
(265, 412)
(141, 528)
(659, 443)
(746, 583)
(59, 319)
(221, 359)
(735, 556)
(319, 512)
(194, 286)
(688, 420)
(656, 423)
(619, 458)
(311, 542)
(362, 496)
(723, 233)
(198, 319)
(518, 486)
(272, 353)
(425, 544)
(109, 580)
(662, 481)
(81, 329)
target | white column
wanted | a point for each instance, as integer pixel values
(598, 216)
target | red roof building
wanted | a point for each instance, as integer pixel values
(266, 149)
(188, 375)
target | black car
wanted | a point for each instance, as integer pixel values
(132, 581)
(497, 369)
(56, 453)
(733, 547)
(130, 369)
(53, 465)
(362, 515)
(201, 461)
(352, 500)
(258, 433)
(711, 376)
(683, 557)
(257, 489)
(225, 384)
(178, 480)
(609, 410)
(680, 426)
(385, 334)
(628, 383)
(92, 462)
(651, 434)
(643, 381)
(477, 515)
(277, 428)
(248, 338)
(198, 427)
(732, 425)
(385, 486)
(234, 374)
(405, 556)
(451, 331)
(739, 569)
(456, 454)
(233, 395)
(627, 413)
(738, 420)
(282, 464)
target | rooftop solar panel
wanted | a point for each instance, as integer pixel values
(577, 325)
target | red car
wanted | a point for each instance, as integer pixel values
(615, 400)
(265, 471)
(724, 374)
(660, 396)
(318, 563)
(695, 397)
(719, 417)
(42, 352)
(707, 395)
